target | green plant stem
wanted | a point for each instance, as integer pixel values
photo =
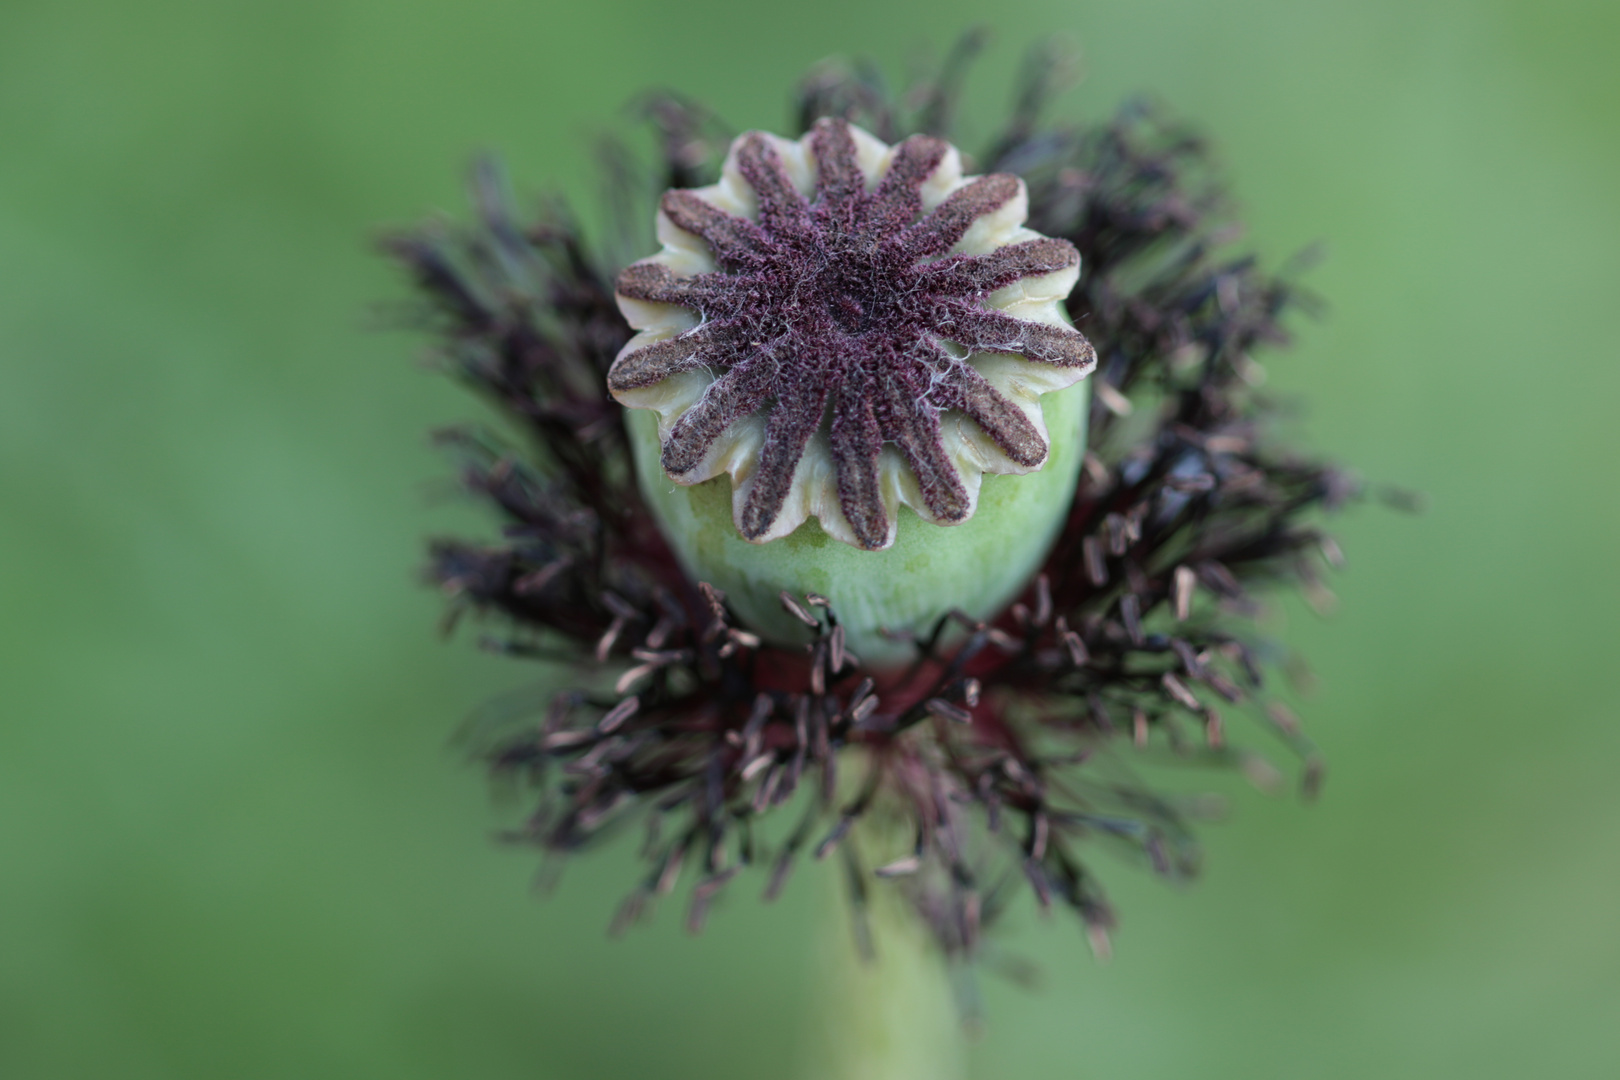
(890, 1016)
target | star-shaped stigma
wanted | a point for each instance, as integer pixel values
(846, 302)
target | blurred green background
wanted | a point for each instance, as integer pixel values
(234, 840)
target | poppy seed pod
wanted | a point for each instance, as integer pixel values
(873, 347)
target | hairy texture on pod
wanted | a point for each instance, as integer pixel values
(846, 328)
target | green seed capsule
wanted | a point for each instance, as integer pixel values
(976, 567)
(854, 376)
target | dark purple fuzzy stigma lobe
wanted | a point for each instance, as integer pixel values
(837, 305)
